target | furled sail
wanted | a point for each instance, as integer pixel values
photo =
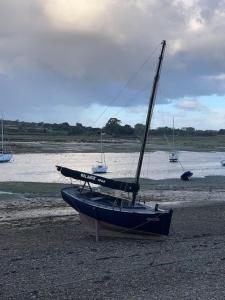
(110, 183)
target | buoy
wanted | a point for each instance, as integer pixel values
(186, 175)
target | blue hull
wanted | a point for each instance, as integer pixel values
(117, 212)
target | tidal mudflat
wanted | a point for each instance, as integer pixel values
(50, 255)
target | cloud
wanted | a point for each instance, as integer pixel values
(82, 16)
(79, 53)
(191, 105)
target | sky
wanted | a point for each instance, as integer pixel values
(88, 60)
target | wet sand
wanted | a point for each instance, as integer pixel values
(52, 256)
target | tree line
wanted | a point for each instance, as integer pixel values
(113, 128)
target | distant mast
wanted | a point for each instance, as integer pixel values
(101, 147)
(2, 136)
(173, 136)
(149, 117)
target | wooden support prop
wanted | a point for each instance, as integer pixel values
(96, 230)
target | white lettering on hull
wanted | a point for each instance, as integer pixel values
(92, 177)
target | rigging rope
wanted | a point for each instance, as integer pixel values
(129, 100)
(130, 79)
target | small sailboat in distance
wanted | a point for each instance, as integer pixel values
(173, 157)
(101, 166)
(5, 156)
(113, 212)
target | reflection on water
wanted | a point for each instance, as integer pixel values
(41, 167)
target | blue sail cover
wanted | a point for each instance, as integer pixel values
(110, 183)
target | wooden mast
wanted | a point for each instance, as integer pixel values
(149, 117)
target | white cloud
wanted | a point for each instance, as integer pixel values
(176, 46)
(75, 14)
(219, 77)
(196, 24)
(191, 105)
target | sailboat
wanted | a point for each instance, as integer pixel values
(117, 213)
(101, 166)
(5, 156)
(173, 157)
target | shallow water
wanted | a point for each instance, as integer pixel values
(41, 167)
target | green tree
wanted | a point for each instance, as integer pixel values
(127, 130)
(139, 129)
(113, 126)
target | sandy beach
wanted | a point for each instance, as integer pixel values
(46, 253)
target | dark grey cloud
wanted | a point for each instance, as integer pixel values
(78, 53)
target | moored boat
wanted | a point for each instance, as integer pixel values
(101, 166)
(117, 213)
(173, 157)
(222, 162)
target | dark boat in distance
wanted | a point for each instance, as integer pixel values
(116, 213)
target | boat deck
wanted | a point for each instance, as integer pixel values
(105, 199)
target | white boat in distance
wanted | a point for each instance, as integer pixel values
(173, 157)
(5, 156)
(101, 166)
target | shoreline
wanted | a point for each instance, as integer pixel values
(30, 200)
(53, 256)
(122, 145)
